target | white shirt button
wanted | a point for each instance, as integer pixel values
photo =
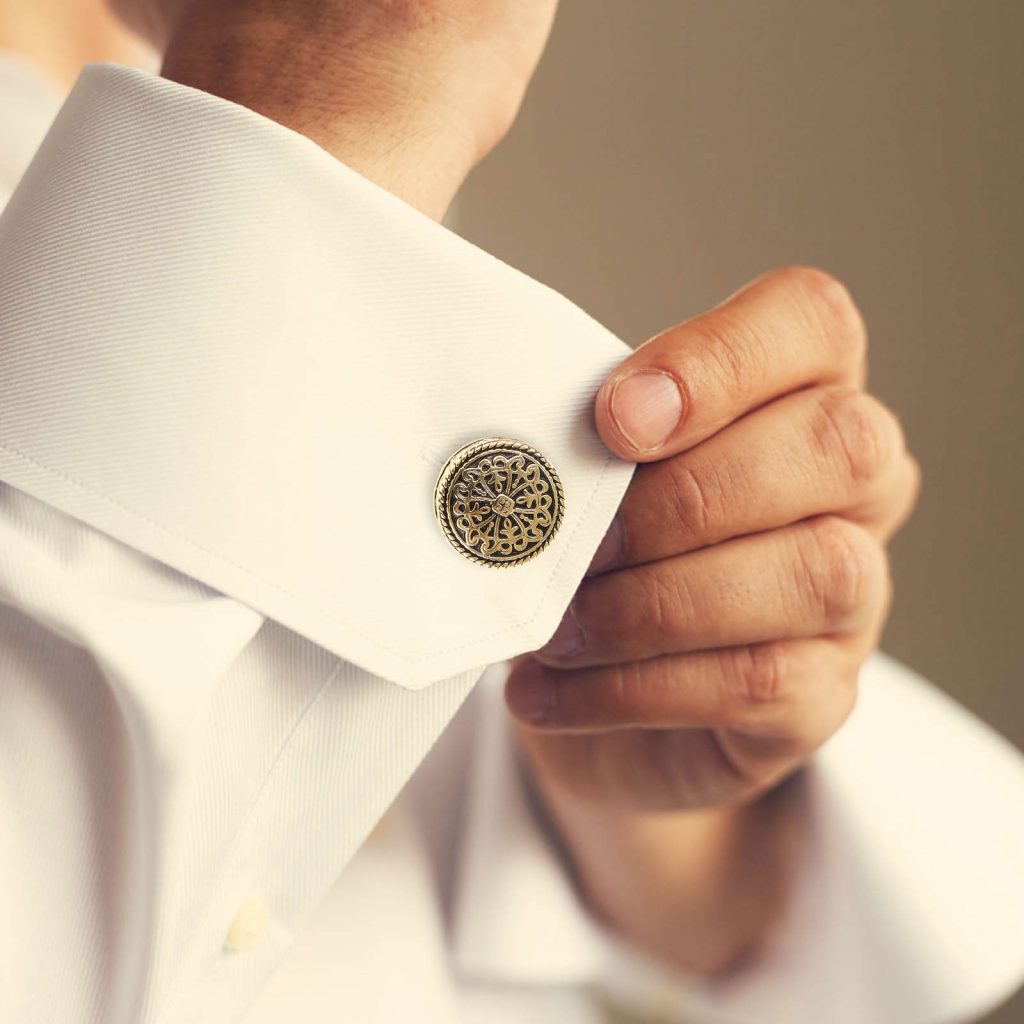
(249, 928)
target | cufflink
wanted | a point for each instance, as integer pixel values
(499, 502)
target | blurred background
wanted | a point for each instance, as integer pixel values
(671, 149)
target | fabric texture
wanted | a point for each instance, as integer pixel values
(232, 637)
(210, 410)
(268, 430)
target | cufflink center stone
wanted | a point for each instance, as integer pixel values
(503, 505)
(499, 501)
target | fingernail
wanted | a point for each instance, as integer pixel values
(647, 407)
(608, 551)
(529, 697)
(567, 639)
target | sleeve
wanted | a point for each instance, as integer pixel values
(202, 312)
(909, 906)
(230, 628)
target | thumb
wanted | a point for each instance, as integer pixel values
(638, 409)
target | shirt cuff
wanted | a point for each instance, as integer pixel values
(908, 907)
(235, 354)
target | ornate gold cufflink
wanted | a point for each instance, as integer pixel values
(499, 501)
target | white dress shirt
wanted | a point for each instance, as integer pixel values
(230, 630)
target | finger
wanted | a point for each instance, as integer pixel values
(798, 690)
(897, 510)
(815, 451)
(820, 576)
(787, 330)
(637, 769)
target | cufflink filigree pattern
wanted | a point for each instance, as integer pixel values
(499, 501)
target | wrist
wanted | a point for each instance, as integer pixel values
(372, 113)
(700, 890)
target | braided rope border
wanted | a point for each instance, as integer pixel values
(454, 465)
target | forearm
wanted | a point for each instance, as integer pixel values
(699, 890)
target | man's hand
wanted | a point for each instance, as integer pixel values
(410, 93)
(717, 641)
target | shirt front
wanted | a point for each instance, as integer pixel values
(230, 372)
(263, 435)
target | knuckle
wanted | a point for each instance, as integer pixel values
(842, 708)
(828, 302)
(732, 348)
(617, 694)
(915, 479)
(815, 722)
(695, 499)
(763, 670)
(823, 718)
(821, 694)
(847, 572)
(888, 589)
(859, 431)
(904, 497)
(815, 693)
(669, 604)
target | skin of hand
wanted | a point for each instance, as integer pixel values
(716, 641)
(410, 93)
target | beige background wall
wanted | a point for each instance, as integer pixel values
(671, 149)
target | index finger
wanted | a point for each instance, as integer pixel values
(786, 330)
